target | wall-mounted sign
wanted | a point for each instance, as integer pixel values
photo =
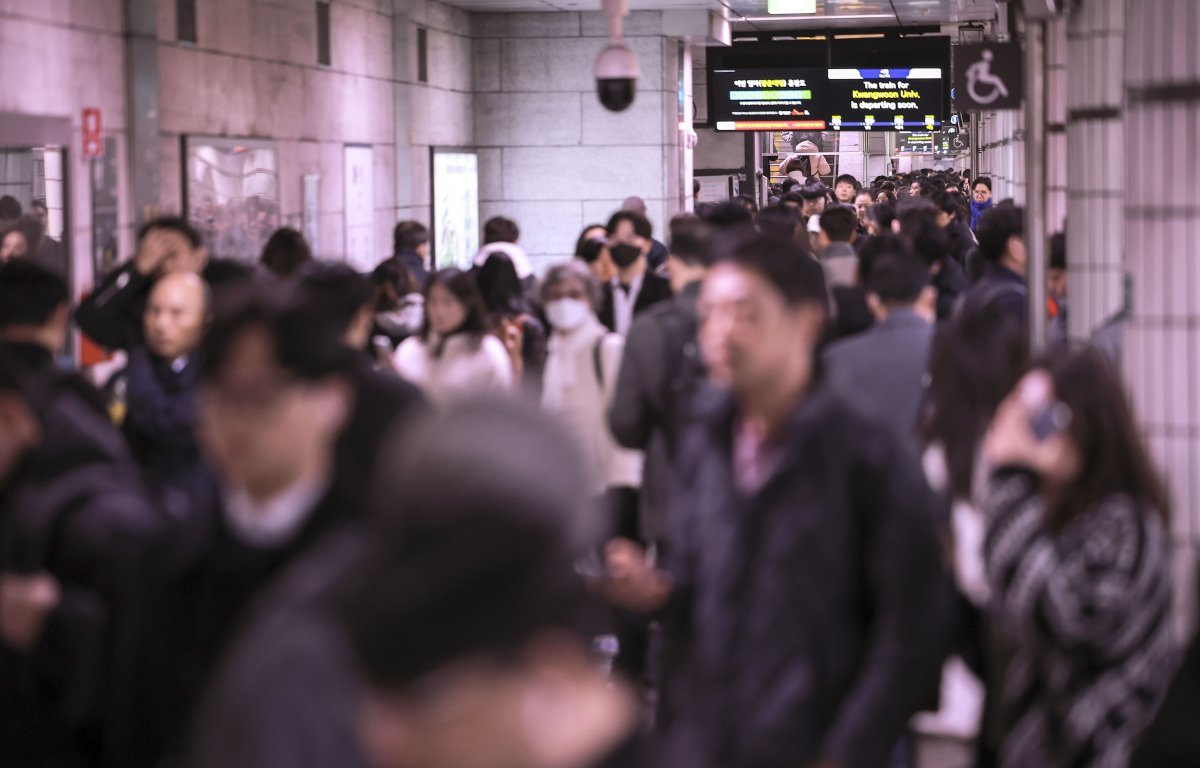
(93, 145)
(360, 209)
(455, 207)
(987, 76)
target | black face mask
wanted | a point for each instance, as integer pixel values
(624, 255)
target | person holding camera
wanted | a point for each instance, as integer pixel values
(805, 164)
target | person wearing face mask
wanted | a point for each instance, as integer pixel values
(635, 288)
(580, 378)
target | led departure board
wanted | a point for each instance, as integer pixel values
(767, 100)
(885, 83)
(884, 99)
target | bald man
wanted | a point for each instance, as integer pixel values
(160, 395)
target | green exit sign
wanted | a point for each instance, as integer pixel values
(791, 6)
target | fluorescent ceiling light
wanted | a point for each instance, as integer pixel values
(825, 17)
(791, 6)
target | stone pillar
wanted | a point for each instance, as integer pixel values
(1095, 142)
(1161, 206)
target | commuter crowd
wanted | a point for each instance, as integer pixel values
(785, 489)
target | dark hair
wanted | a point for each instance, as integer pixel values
(787, 185)
(335, 293)
(285, 252)
(897, 275)
(10, 208)
(849, 179)
(1102, 427)
(500, 286)
(747, 202)
(1058, 251)
(918, 225)
(304, 343)
(500, 230)
(814, 190)
(839, 222)
(176, 224)
(591, 250)
(389, 282)
(976, 360)
(690, 240)
(583, 240)
(888, 186)
(40, 202)
(996, 226)
(462, 287)
(883, 214)
(29, 293)
(778, 221)
(727, 215)
(409, 235)
(789, 268)
(31, 229)
(641, 225)
(944, 201)
(984, 180)
(471, 553)
(220, 273)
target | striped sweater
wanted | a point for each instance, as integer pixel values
(1084, 614)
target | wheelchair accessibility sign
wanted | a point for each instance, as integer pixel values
(987, 76)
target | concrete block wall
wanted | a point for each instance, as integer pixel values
(63, 57)
(253, 73)
(437, 113)
(1096, 141)
(1161, 244)
(551, 157)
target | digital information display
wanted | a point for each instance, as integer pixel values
(834, 99)
(767, 100)
(945, 142)
(884, 99)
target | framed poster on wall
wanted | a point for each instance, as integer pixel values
(455, 214)
(231, 194)
(360, 208)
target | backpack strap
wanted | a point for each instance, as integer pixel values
(598, 361)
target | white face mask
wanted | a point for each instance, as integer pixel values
(567, 314)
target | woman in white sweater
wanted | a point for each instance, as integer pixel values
(454, 356)
(581, 375)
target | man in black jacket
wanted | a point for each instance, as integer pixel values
(635, 288)
(411, 250)
(341, 298)
(113, 314)
(804, 592)
(76, 529)
(35, 314)
(1002, 247)
(275, 393)
(162, 381)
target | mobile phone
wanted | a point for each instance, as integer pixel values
(1050, 420)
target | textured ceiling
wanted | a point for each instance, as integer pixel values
(851, 12)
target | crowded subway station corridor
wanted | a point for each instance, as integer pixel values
(599, 384)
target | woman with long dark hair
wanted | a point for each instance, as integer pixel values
(510, 318)
(454, 355)
(1077, 560)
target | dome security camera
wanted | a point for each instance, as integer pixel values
(617, 69)
(617, 73)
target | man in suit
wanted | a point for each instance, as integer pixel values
(883, 369)
(635, 288)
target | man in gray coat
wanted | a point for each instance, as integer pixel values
(883, 369)
(660, 367)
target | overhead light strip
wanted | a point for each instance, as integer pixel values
(823, 17)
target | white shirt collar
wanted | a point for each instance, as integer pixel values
(624, 303)
(274, 521)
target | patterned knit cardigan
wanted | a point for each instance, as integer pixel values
(1084, 613)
